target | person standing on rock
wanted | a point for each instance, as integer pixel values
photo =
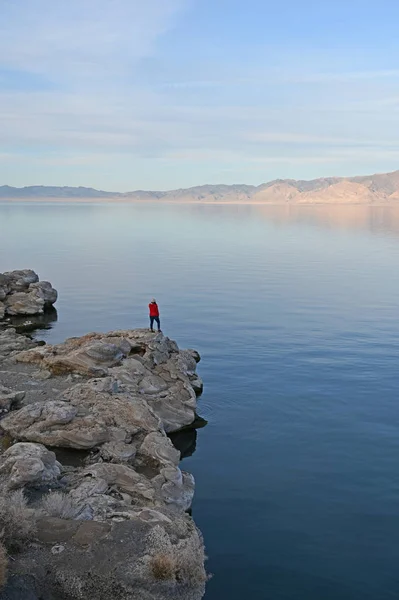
(154, 315)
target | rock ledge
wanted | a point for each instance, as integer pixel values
(85, 428)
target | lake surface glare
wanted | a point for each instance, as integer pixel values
(295, 313)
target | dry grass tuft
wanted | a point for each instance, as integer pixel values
(16, 524)
(190, 558)
(163, 567)
(59, 504)
(183, 561)
(6, 441)
(3, 566)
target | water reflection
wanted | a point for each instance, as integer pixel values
(185, 440)
(374, 219)
(32, 323)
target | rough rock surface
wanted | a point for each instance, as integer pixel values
(28, 464)
(87, 422)
(21, 293)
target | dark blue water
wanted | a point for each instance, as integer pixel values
(295, 312)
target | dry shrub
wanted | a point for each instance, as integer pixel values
(182, 561)
(6, 441)
(3, 566)
(59, 504)
(16, 524)
(163, 567)
(190, 558)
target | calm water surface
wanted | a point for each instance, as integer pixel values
(295, 313)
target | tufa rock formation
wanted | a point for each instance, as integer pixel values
(21, 293)
(84, 434)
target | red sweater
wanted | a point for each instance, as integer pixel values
(154, 311)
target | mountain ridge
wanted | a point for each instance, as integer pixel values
(365, 189)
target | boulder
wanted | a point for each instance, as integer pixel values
(29, 465)
(159, 447)
(177, 487)
(83, 418)
(46, 290)
(21, 293)
(12, 343)
(20, 280)
(24, 303)
(90, 359)
(8, 398)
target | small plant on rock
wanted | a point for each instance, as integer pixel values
(16, 524)
(60, 505)
(163, 567)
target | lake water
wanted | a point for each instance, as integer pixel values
(295, 312)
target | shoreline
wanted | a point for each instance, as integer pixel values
(56, 200)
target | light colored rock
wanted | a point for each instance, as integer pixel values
(118, 452)
(187, 364)
(178, 487)
(9, 397)
(124, 478)
(176, 407)
(21, 303)
(12, 343)
(21, 293)
(32, 355)
(129, 495)
(51, 423)
(157, 445)
(41, 375)
(82, 418)
(152, 384)
(29, 464)
(90, 359)
(46, 291)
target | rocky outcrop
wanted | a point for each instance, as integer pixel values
(21, 293)
(11, 343)
(137, 363)
(119, 512)
(29, 464)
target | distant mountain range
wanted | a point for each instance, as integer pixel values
(373, 189)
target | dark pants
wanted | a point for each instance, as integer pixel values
(157, 321)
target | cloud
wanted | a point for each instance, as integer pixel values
(94, 82)
(82, 38)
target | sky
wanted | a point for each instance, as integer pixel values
(125, 94)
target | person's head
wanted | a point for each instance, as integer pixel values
(153, 301)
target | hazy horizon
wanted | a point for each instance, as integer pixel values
(198, 185)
